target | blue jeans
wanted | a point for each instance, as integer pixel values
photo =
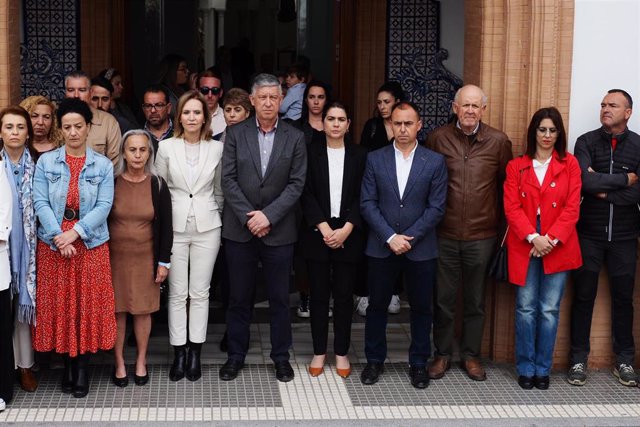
(537, 313)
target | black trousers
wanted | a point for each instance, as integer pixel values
(620, 257)
(331, 278)
(6, 347)
(242, 262)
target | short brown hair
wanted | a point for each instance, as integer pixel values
(237, 96)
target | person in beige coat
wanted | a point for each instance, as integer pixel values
(190, 163)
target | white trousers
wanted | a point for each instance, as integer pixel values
(22, 348)
(192, 260)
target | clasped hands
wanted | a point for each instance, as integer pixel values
(64, 243)
(542, 245)
(258, 224)
(334, 239)
(399, 244)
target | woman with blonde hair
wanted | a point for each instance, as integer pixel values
(46, 134)
(190, 163)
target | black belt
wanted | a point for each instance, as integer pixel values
(70, 214)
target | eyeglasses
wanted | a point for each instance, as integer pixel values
(158, 106)
(214, 90)
(543, 131)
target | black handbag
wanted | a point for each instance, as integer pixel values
(498, 268)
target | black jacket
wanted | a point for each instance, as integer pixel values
(162, 221)
(617, 216)
(316, 204)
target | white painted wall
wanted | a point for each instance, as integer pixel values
(606, 55)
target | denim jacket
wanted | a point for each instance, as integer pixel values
(50, 188)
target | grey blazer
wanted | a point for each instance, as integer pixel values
(276, 194)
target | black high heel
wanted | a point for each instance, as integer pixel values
(179, 363)
(194, 369)
(81, 383)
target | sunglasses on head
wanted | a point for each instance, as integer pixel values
(214, 90)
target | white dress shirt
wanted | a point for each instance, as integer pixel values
(403, 168)
(218, 125)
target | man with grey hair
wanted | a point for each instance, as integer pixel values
(477, 156)
(104, 135)
(264, 165)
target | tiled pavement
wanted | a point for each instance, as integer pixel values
(256, 395)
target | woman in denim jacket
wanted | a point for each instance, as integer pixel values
(73, 194)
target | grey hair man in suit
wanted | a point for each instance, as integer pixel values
(263, 174)
(404, 191)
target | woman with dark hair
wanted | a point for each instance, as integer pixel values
(378, 133)
(316, 96)
(72, 196)
(173, 73)
(6, 344)
(46, 135)
(332, 239)
(16, 132)
(190, 163)
(140, 247)
(542, 205)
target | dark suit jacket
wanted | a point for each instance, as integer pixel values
(276, 194)
(316, 204)
(416, 213)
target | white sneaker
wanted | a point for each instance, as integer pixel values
(394, 305)
(361, 306)
(2, 405)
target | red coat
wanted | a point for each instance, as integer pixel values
(559, 202)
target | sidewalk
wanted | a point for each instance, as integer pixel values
(257, 396)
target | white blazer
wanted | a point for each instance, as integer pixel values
(205, 194)
(6, 205)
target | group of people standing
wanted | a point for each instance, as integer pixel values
(86, 239)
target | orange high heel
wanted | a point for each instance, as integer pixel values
(315, 372)
(344, 373)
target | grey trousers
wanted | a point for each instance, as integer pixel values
(466, 263)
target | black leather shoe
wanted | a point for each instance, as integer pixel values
(230, 369)
(179, 363)
(541, 383)
(224, 343)
(371, 373)
(194, 369)
(119, 382)
(141, 380)
(525, 382)
(419, 376)
(81, 383)
(67, 376)
(284, 371)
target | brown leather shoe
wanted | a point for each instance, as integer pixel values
(438, 367)
(28, 380)
(474, 369)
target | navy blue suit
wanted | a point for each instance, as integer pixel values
(415, 213)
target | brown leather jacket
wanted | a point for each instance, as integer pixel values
(476, 174)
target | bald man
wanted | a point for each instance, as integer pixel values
(477, 156)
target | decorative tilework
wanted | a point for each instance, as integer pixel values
(414, 58)
(51, 47)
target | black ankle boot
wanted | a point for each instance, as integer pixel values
(67, 376)
(179, 363)
(194, 370)
(81, 383)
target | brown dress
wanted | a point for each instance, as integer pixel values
(131, 248)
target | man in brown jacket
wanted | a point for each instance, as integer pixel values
(477, 156)
(104, 135)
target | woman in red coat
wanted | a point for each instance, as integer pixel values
(542, 205)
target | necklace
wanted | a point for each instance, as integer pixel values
(134, 179)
